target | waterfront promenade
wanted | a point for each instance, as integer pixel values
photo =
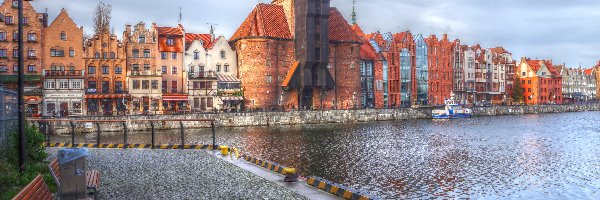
(176, 174)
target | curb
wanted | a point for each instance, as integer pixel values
(272, 166)
(130, 146)
(337, 189)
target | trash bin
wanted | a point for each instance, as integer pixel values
(73, 166)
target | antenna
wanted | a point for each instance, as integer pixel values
(212, 31)
(179, 14)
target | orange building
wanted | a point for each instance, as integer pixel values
(174, 76)
(106, 86)
(540, 81)
(597, 74)
(34, 22)
(64, 67)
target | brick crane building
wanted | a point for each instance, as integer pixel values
(34, 22)
(64, 67)
(292, 55)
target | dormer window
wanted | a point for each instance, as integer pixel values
(170, 41)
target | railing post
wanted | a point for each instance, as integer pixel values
(182, 134)
(152, 126)
(212, 125)
(97, 134)
(72, 134)
(124, 135)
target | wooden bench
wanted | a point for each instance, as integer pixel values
(92, 177)
(37, 189)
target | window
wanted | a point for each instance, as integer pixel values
(92, 84)
(50, 84)
(174, 55)
(136, 84)
(154, 84)
(3, 36)
(209, 102)
(104, 55)
(196, 55)
(142, 39)
(174, 70)
(15, 67)
(222, 54)
(3, 68)
(145, 84)
(76, 85)
(31, 68)
(57, 53)
(135, 67)
(164, 69)
(8, 19)
(71, 53)
(64, 85)
(97, 55)
(15, 3)
(31, 53)
(3, 53)
(146, 53)
(119, 87)
(201, 68)
(269, 78)
(146, 67)
(31, 37)
(105, 69)
(136, 53)
(163, 55)
(524, 74)
(113, 55)
(63, 36)
(91, 69)
(218, 68)
(170, 41)
(25, 20)
(226, 68)
(15, 53)
(528, 81)
(174, 86)
(164, 86)
(15, 36)
(528, 89)
(118, 70)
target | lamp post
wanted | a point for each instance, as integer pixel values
(21, 91)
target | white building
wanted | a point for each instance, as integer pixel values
(63, 93)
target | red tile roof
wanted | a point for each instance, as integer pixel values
(266, 20)
(205, 38)
(359, 32)
(367, 52)
(588, 71)
(169, 31)
(499, 50)
(339, 29)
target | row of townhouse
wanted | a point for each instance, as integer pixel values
(145, 72)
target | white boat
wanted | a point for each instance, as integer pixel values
(452, 110)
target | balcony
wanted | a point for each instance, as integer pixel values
(62, 73)
(144, 73)
(200, 75)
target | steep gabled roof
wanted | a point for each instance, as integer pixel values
(367, 52)
(171, 31)
(205, 38)
(63, 17)
(359, 32)
(266, 20)
(339, 29)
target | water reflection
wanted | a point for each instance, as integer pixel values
(553, 156)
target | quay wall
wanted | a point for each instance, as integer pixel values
(307, 117)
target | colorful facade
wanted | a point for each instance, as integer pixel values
(170, 59)
(64, 68)
(540, 81)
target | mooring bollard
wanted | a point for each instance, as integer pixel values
(290, 175)
(182, 134)
(72, 134)
(152, 126)
(124, 135)
(97, 134)
(212, 124)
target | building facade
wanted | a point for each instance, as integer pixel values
(578, 85)
(144, 78)
(440, 69)
(540, 81)
(105, 77)
(174, 76)
(34, 23)
(64, 68)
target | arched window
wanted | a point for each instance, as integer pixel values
(142, 39)
(113, 55)
(97, 55)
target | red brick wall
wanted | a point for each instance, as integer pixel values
(378, 76)
(440, 69)
(344, 62)
(52, 40)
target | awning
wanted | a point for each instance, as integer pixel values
(175, 98)
(105, 96)
(233, 98)
(227, 78)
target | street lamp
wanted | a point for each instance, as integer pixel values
(21, 91)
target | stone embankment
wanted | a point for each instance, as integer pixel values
(310, 117)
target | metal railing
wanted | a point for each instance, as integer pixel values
(45, 123)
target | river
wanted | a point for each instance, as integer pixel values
(549, 156)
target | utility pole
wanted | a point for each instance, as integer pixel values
(21, 92)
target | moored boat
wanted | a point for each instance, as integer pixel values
(453, 109)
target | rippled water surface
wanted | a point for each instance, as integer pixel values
(552, 156)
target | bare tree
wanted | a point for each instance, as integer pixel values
(102, 18)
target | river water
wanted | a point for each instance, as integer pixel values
(550, 156)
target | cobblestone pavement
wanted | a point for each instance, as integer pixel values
(176, 174)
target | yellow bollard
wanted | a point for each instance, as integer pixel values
(224, 150)
(290, 174)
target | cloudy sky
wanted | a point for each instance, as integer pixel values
(561, 30)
